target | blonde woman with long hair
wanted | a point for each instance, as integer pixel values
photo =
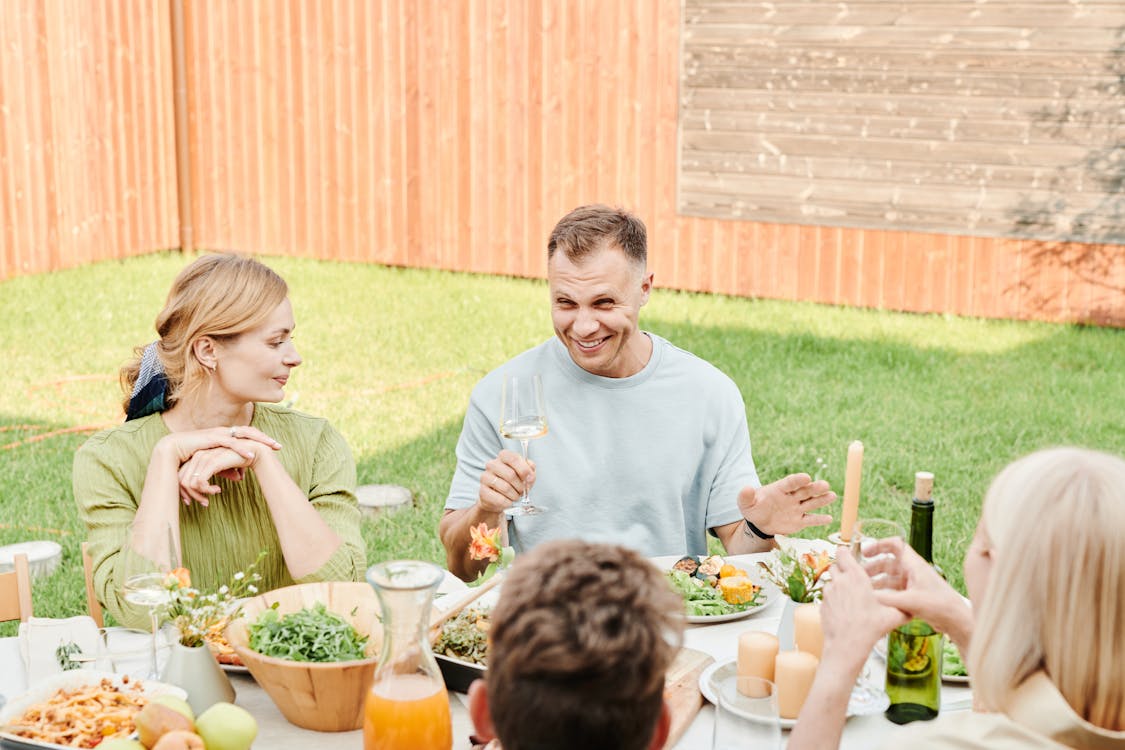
(1045, 636)
(206, 458)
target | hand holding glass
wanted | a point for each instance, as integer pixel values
(523, 417)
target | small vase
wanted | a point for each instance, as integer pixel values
(194, 669)
(785, 629)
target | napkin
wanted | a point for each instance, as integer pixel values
(41, 637)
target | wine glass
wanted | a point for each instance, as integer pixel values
(746, 715)
(868, 696)
(523, 417)
(144, 576)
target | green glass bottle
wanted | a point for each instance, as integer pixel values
(914, 650)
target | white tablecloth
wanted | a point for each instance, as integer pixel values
(720, 641)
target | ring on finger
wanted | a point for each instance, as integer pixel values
(195, 474)
(233, 432)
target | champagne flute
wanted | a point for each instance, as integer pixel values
(523, 417)
(144, 583)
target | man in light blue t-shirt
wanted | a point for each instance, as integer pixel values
(647, 444)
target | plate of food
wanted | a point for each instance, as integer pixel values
(96, 706)
(461, 647)
(952, 665)
(861, 702)
(228, 659)
(953, 669)
(715, 590)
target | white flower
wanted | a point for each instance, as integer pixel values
(238, 576)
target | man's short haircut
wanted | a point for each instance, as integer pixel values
(590, 228)
(579, 644)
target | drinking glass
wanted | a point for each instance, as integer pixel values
(144, 582)
(868, 694)
(746, 714)
(523, 417)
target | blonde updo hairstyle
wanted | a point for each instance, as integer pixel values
(1055, 596)
(220, 295)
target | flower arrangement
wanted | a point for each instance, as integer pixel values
(197, 613)
(799, 576)
(484, 544)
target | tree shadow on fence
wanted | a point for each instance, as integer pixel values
(1064, 240)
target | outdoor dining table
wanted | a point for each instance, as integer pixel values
(719, 640)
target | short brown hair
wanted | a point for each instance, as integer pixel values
(580, 641)
(590, 228)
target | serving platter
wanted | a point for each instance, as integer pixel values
(44, 689)
(716, 619)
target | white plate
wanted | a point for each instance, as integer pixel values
(858, 704)
(714, 619)
(72, 679)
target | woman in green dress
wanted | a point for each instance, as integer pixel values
(206, 458)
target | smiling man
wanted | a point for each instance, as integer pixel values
(647, 444)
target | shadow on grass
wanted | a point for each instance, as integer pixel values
(425, 467)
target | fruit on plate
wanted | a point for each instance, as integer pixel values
(179, 740)
(225, 726)
(120, 743)
(176, 702)
(156, 720)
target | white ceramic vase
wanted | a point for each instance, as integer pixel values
(785, 629)
(194, 669)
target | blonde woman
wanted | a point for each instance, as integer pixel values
(207, 459)
(1045, 636)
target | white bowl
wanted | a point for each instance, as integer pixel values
(42, 557)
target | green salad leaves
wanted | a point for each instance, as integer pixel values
(951, 663)
(310, 634)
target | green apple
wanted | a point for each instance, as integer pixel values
(120, 743)
(174, 701)
(225, 726)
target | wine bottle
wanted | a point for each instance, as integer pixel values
(914, 650)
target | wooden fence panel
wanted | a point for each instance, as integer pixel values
(454, 134)
(87, 157)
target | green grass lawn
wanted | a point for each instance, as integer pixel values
(391, 355)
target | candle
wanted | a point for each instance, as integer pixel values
(793, 673)
(851, 490)
(756, 654)
(807, 633)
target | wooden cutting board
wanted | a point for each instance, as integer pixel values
(681, 690)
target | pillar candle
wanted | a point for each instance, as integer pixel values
(851, 490)
(756, 654)
(807, 633)
(793, 675)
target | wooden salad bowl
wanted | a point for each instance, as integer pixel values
(326, 697)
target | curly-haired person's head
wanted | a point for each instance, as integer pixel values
(579, 644)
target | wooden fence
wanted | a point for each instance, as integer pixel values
(433, 133)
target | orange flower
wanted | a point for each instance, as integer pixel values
(817, 563)
(179, 578)
(485, 544)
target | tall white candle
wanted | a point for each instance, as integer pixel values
(851, 490)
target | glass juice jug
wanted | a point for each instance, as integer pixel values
(407, 707)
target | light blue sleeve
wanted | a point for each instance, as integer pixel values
(735, 467)
(479, 443)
